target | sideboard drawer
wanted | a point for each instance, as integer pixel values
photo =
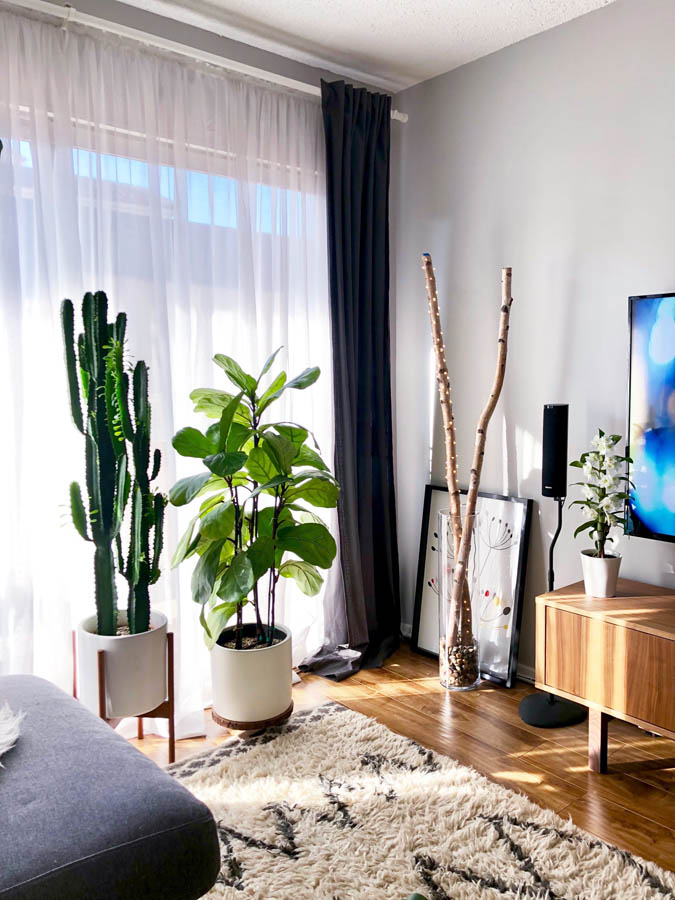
(615, 667)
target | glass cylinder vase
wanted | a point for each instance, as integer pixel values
(459, 615)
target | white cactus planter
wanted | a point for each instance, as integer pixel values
(252, 688)
(600, 575)
(135, 667)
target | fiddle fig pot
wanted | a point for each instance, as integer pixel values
(252, 687)
(135, 667)
(600, 574)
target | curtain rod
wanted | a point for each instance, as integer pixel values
(70, 14)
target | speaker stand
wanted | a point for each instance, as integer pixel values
(547, 710)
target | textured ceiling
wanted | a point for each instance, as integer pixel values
(389, 43)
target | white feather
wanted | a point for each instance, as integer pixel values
(10, 724)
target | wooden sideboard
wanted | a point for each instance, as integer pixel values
(616, 656)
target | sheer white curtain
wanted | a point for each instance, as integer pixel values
(197, 202)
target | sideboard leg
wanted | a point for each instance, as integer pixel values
(597, 740)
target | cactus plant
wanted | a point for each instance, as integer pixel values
(98, 381)
(141, 568)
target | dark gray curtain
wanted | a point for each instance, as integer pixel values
(363, 623)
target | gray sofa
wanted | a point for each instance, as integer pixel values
(85, 816)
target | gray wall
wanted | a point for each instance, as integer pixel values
(554, 156)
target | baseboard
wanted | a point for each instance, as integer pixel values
(526, 673)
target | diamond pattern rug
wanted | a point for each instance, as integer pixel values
(335, 806)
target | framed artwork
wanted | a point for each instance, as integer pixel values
(503, 531)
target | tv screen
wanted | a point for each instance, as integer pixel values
(651, 417)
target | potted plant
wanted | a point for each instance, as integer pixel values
(253, 527)
(603, 508)
(134, 641)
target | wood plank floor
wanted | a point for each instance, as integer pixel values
(632, 806)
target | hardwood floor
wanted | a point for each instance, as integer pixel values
(632, 806)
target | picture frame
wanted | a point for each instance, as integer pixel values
(503, 529)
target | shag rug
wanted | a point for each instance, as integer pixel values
(335, 806)
(10, 725)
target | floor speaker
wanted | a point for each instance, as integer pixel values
(554, 450)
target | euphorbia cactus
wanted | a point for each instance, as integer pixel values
(107, 476)
(109, 431)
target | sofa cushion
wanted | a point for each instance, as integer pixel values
(85, 816)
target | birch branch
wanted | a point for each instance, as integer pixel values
(446, 400)
(462, 557)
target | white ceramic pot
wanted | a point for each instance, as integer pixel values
(600, 575)
(135, 667)
(252, 688)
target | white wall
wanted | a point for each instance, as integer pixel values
(557, 157)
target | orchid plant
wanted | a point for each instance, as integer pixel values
(604, 490)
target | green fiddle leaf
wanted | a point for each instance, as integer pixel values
(216, 621)
(316, 491)
(237, 580)
(274, 391)
(238, 436)
(304, 379)
(260, 466)
(191, 442)
(210, 401)
(305, 515)
(226, 420)
(281, 451)
(218, 523)
(308, 457)
(204, 575)
(266, 519)
(268, 362)
(311, 542)
(269, 487)
(304, 574)
(261, 555)
(184, 490)
(183, 544)
(225, 464)
(293, 433)
(235, 373)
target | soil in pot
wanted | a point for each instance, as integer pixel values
(250, 640)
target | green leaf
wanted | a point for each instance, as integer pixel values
(306, 515)
(304, 379)
(311, 542)
(226, 420)
(235, 373)
(184, 490)
(281, 451)
(269, 486)
(577, 464)
(266, 519)
(225, 464)
(191, 442)
(275, 390)
(218, 523)
(260, 466)
(268, 362)
(238, 436)
(293, 433)
(77, 510)
(261, 555)
(305, 575)
(316, 491)
(210, 401)
(204, 575)
(584, 527)
(308, 457)
(217, 620)
(238, 579)
(184, 544)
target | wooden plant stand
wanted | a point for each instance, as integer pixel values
(165, 710)
(616, 656)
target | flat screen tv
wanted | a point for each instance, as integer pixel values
(651, 417)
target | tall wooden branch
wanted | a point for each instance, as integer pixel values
(446, 401)
(459, 592)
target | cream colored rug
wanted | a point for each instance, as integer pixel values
(335, 806)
